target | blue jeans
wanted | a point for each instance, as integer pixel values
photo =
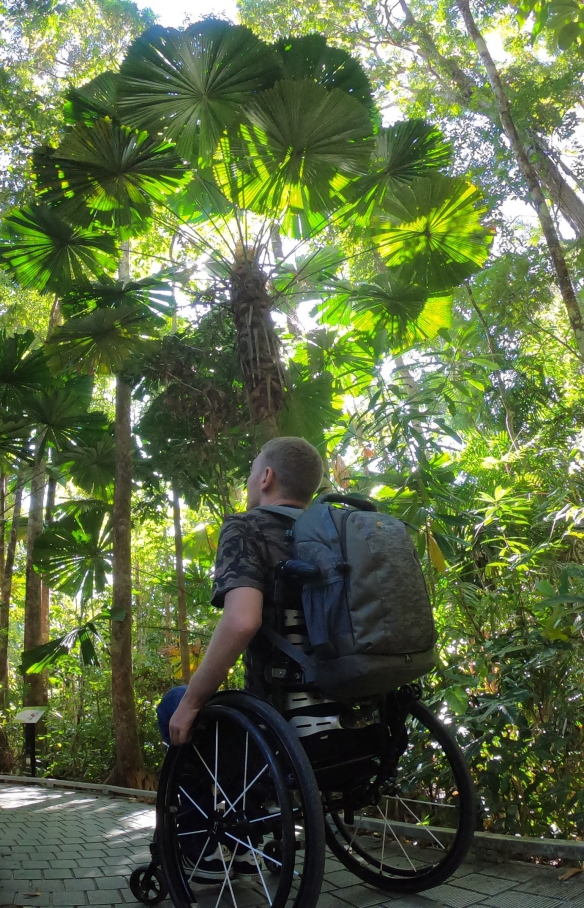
(166, 708)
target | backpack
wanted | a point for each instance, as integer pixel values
(368, 614)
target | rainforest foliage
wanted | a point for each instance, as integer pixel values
(357, 223)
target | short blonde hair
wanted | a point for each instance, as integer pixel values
(297, 466)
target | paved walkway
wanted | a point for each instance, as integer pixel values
(63, 849)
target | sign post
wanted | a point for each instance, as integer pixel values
(29, 718)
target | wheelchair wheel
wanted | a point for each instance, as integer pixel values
(147, 884)
(222, 800)
(307, 801)
(418, 829)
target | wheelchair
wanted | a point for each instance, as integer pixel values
(382, 783)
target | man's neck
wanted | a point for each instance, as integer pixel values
(281, 502)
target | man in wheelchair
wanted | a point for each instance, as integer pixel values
(335, 744)
(287, 472)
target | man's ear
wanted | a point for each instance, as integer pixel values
(268, 479)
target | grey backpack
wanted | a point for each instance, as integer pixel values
(368, 614)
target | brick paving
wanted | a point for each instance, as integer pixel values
(64, 849)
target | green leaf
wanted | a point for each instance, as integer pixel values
(569, 599)
(42, 251)
(435, 226)
(191, 85)
(91, 466)
(403, 153)
(152, 296)
(310, 57)
(100, 342)
(300, 146)
(23, 367)
(60, 415)
(92, 101)
(107, 173)
(74, 555)
(201, 200)
(36, 660)
(391, 302)
(309, 409)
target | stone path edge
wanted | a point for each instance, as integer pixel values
(507, 845)
(81, 786)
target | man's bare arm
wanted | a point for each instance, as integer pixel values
(239, 623)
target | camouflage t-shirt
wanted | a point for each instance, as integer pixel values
(250, 547)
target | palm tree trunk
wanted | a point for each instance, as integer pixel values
(563, 278)
(181, 599)
(128, 753)
(35, 693)
(128, 758)
(45, 591)
(6, 590)
(257, 345)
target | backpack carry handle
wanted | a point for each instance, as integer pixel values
(363, 504)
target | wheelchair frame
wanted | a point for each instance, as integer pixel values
(305, 797)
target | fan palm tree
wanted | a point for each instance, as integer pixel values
(282, 139)
(99, 185)
(57, 415)
(230, 143)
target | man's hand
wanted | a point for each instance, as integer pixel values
(181, 723)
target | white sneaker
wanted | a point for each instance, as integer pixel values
(211, 867)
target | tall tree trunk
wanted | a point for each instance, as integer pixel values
(4, 619)
(140, 637)
(35, 693)
(530, 176)
(181, 596)
(128, 753)
(257, 345)
(2, 525)
(45, 591)
(460, 89)
(6, 589)
(559, 190)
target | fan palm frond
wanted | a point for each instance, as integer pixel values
(194, 84)
(43, 251)
(435, 226)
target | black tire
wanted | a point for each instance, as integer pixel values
(395, 853)
(300, 779)
(228, 783)
(147, 884)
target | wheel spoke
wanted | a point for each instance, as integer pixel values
(216, 763)
(245, 768)
(256, 851)
(384, 828)
(268, 816)
(427, 828)
(259, 871)
(226, 880)
(214, 778)
(193, 802)
(194, 832)
(406, 855)
(195, 868)
(242, 795)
